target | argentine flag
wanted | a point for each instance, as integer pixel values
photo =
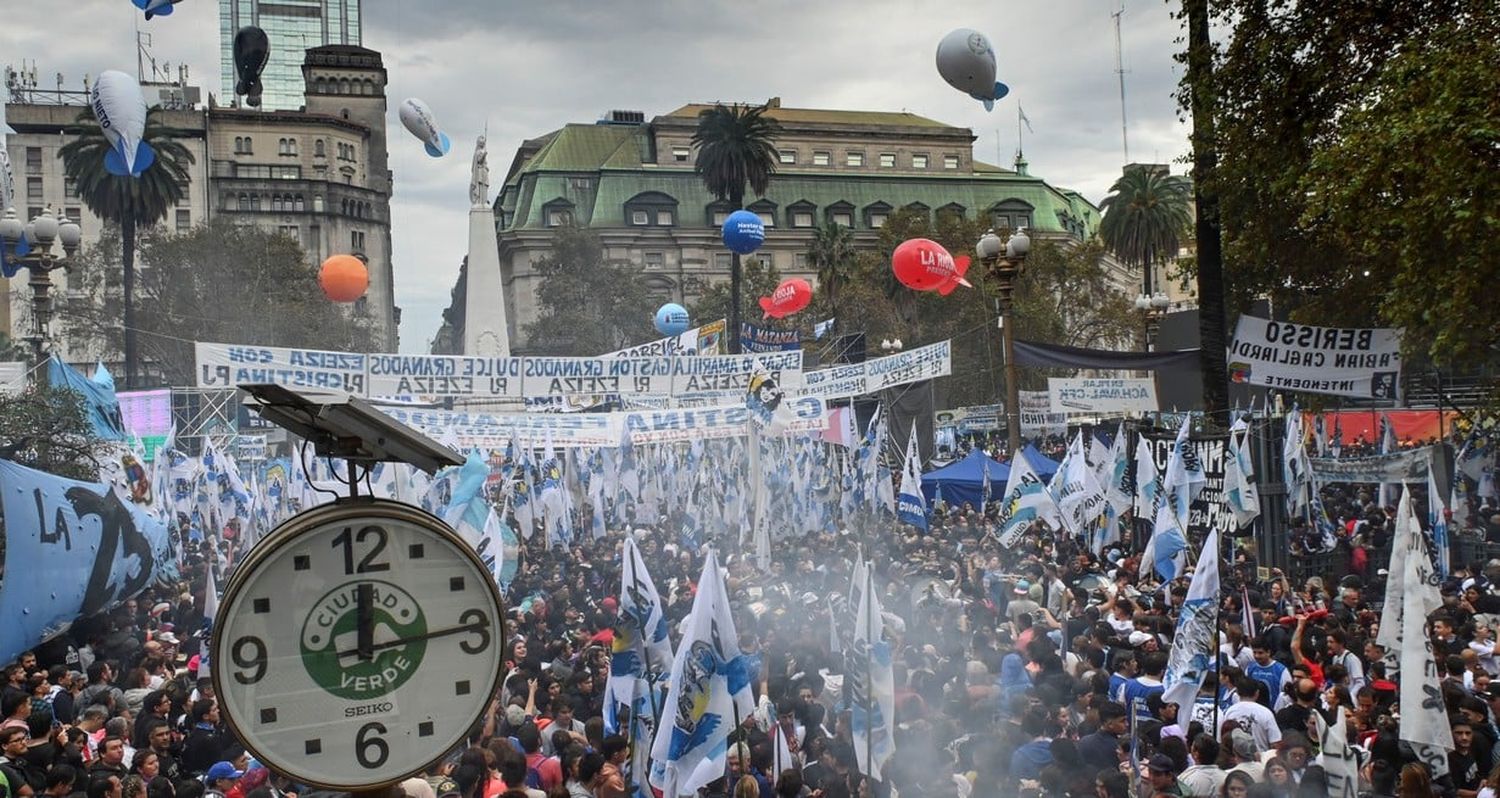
(1026, 500)
(911, 506)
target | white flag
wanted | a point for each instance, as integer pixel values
(1080, 500)
(1424, 720)
(871, 714)
(1192, 655)
(1026, 500)
(1239, 477)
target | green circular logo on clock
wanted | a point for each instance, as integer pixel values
(330, 641)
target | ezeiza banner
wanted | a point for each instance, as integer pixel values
(573, 430)
(877, 374)
(1299, 357)
(459, 376)
(1090, 395)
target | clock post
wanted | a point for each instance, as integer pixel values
(357, 643)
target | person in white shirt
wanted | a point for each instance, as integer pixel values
(1339, 654)
(1485, 648)
(1253, 717)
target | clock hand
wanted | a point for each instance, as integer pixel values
(401, 641)
(365, 617)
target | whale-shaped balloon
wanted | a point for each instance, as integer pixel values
(251, 50)
(121, 110)
(156, 8)
(418, 118)
(791, 296)
(924, 265)
(966, 61)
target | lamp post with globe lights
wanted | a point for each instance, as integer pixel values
(1152, 308)
(29, 246)
(1003, 262)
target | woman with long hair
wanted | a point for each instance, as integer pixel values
(1279, 778)
(1416, 782)
(1236, 785)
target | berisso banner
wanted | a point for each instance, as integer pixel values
(1342, 361)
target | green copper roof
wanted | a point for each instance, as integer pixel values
(596, 169)
(820, 116)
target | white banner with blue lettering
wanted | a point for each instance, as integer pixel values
(72, 549)
(457, 376)
(877, 374)
(574, 430)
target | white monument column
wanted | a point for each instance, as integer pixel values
(485, 330)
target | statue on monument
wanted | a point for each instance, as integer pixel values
(479, 180)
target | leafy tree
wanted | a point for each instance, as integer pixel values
(128, 202)
(759, 279)
(49, 430)
(831, 254)
(736, 147)
(217, 282)
(1145, 216)
(1358, 172)
(588, 306)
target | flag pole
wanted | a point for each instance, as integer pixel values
(869, 670)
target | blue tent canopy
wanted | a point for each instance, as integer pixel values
(1043, 465)
(963, 481)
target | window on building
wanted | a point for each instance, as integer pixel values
(652, 207)
(583, 183)
(854, 159)
(950, 161)
(723, 261)
(559, 217)
(1023, 220)
(767, 218)
(70, 188)
(888, 160)
(33, 160)
(254, 202)
(288, 230)
(297, 204)
(665, 218)
(719, 217)
(276, 206)
(640, 218)
(252, 170)
(357, 240)
(34, 212)
(655, 260)
(242, 202)
(802, 219)
(317, 203)
(844, 218)
(799, 260)
(788, 156)
(282, 148)
(34, 189)
(821, 158)
(320, 150)
(184, 220)
(877, 219)
(680, 154)
(286, 172)
(919, 160)
(75, 215)
(766, 258)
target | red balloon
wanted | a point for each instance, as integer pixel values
(924, 265)
(791, 296)
(344, 278)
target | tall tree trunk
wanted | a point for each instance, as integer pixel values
(127, 256)
(737, 199)
(1211, 315)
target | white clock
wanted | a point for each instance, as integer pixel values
(357, 644)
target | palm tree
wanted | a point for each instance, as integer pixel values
(832, 254)
(736, 146)
(1145, 217)
(129, 202)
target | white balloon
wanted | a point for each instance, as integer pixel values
(121, 110)
(417, 118)
(966, 61)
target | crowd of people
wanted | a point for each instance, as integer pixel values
(1026, 671)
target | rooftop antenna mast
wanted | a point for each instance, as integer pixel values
(1120, 73)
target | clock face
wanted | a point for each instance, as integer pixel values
(357, 644)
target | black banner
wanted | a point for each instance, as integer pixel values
(1210, 510)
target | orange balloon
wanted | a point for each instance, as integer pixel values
(344, 278)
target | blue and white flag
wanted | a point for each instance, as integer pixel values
(823, 328)
(1026, 501)
(872, 704)
(1192, 654)
(1184, 478)
(709, 690)
(1080, 500)
(1239, 477)
(1166, 550)
(470, 514)
(1437, 519)
(641, 651)
(1147, 482)
(1296, 467)
(911, 505)
(1387, 446)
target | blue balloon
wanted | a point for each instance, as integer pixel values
(672, 319)
(743, 232)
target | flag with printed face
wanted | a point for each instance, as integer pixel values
(1192, 653)
(1239, 477)
(1026, 501)
(709, 689)
(641, 651)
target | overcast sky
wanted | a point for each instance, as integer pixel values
(524, 68)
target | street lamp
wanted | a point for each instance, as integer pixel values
(29, 246)
(1004, 261)
(891, 347)
(1152, 308)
